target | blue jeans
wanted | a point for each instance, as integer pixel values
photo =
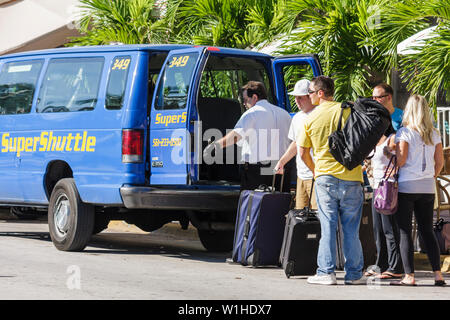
(341, 199)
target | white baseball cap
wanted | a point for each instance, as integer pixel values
(300, 88)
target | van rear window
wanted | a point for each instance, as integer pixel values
(70, 85)
(174, 85)
(17, 86)
(117, 82)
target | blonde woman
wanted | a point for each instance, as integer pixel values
(420, 158)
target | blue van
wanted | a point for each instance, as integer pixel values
(91, 134)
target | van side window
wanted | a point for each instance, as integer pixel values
(224, 76)
(117, 82)
(174, 85)
(17, 86)
(292, 74)
(70, 85)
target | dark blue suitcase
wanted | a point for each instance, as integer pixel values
(259, 226)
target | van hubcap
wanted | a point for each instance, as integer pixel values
(61, 215)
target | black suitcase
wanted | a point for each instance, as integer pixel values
(301, 242)
(259, 227)
(365, 236)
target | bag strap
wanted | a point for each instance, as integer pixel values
(246, 228)
(393, 161)
(344, 105)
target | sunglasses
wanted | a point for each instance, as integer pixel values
(379, 97)
(312, 91)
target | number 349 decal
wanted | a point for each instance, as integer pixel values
(179, 61)
(121, 64)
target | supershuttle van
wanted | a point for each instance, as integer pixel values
(91, 134)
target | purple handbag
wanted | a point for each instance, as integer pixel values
(385, 197)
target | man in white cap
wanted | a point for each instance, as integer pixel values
(304, 174)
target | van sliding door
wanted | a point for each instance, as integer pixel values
(172, 115)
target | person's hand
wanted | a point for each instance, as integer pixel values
(279, 168)
(387, 152)
(208, 152)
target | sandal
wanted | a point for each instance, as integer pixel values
(439, 283)
(389, 275)
(401, 283)
(370, 273)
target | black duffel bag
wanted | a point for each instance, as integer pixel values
(366, 124)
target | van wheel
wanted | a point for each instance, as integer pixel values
(217, 241)
(70, 221)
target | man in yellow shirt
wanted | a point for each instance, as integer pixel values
(339, 191)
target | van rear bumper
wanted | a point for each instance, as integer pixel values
(179, 199)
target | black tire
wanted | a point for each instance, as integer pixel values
(217, 241)
(70, 221)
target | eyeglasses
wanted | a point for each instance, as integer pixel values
(312, 91)
(379, 97)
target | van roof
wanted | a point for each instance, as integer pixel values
(132, 47)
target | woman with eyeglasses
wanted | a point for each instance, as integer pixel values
(420, 158)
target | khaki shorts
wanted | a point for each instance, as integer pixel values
(302, 195)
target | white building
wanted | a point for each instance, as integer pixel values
(36, 24)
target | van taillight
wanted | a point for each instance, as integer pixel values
(132, 145)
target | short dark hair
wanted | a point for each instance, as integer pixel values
(324, 83)
(387, 88)
(255, 87)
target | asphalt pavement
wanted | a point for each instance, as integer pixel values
(124, 262)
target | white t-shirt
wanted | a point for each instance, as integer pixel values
(379, 163)
(420, 162)
(264, 131)
(298, 124)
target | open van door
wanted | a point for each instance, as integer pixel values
(289, 69)
(172, 117)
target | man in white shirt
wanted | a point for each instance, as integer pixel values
(304, 174)
(262, 132)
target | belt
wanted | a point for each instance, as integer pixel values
(258, 164)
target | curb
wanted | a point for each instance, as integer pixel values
(172, 228)
(421, 262)
(446, 265)
(122, 226)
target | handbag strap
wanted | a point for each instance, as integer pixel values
(393, 161)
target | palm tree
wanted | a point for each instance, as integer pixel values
(123, 21)
(228, 23)
(342, 33)
(428, 70)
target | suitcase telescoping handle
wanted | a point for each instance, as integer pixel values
(281, 184)
(310, 193)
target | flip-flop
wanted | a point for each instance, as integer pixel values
(439, 283)
(388, 275)
(401, 283)
(370, 273)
